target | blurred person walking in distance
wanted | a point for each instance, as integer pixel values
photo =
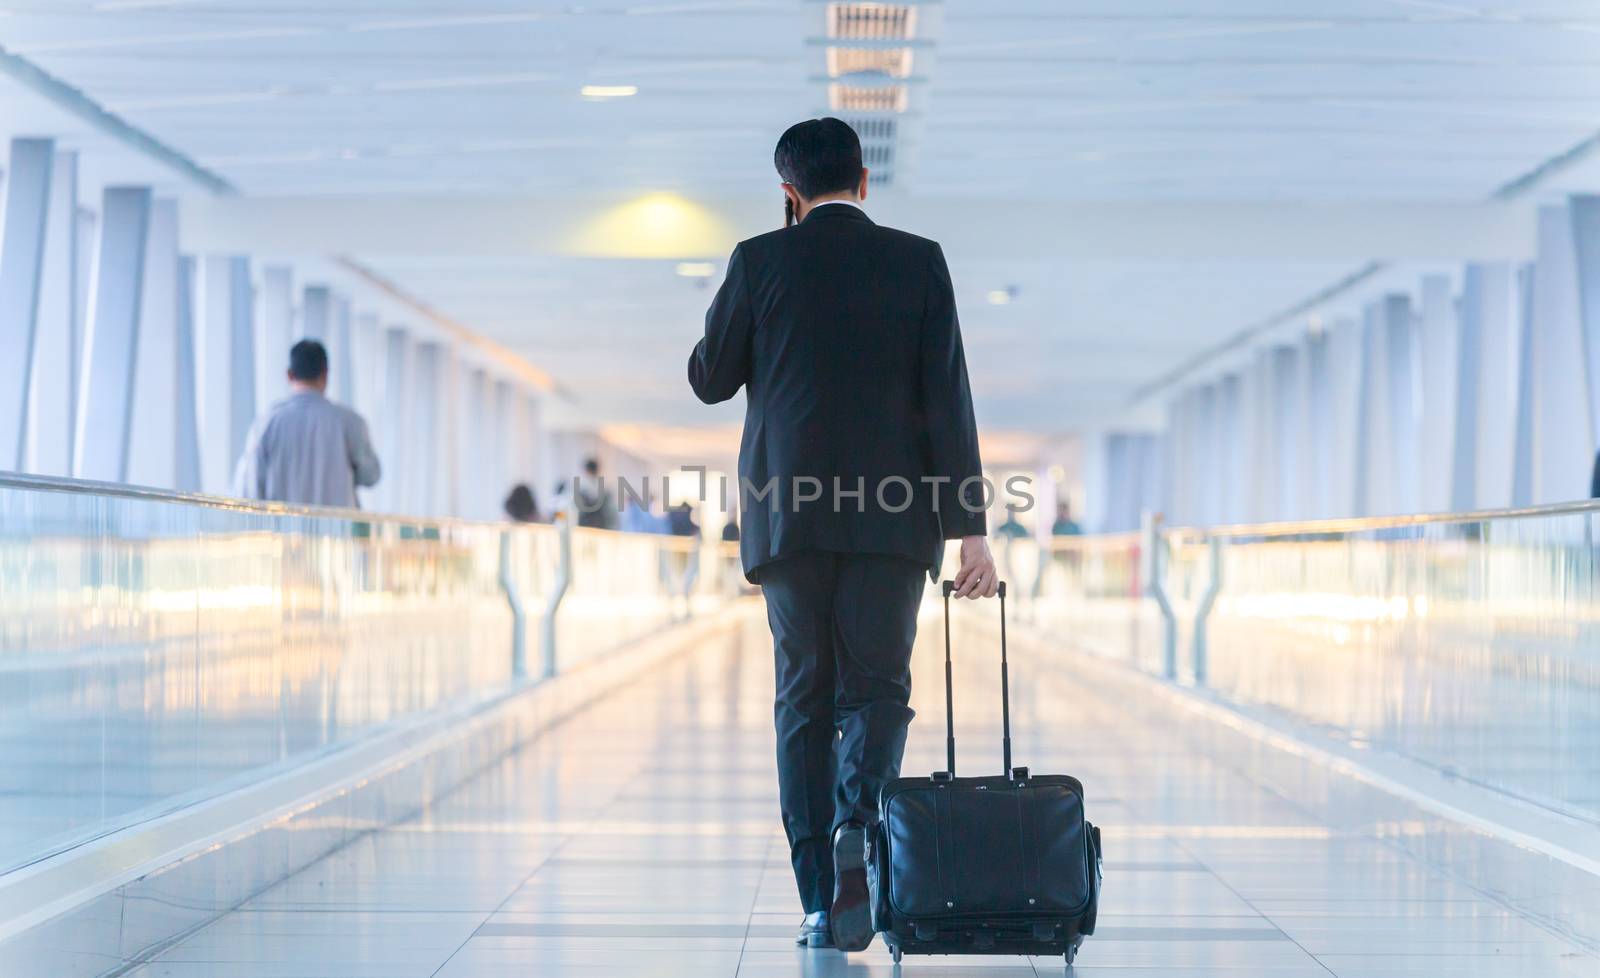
(859, 457)
(597, 508)
(306, 449)
(1065, 525)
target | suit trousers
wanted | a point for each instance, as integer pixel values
(842, 629)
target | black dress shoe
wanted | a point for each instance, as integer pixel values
(851, 913)
(814, 931)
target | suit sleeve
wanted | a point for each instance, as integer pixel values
(363, 458)
(952, 429)
(249, 476)
(720, 363)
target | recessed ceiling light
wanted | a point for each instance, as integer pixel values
(608, 91)
(696, 269)
(1000, 297)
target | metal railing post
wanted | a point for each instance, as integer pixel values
(1155, 587)
(519, 614)
(558, 590)
(1200, 653)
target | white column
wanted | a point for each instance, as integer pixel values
(509, 406)
(392, 423)
(1095, 483)
(1209, 458)
(341, 382)
(153, 445)
(105, 391)
(1258, 485)
(22, 247)
(1346, 419)
(477, 483)
(1234, 479)
(1176, 424)
(1150, 472)
(1522, 445)
(1316, 414)
(1563, 432)
(53, 389)
(1491, 355)
(316, 309)
(1439, 361)
(1464, 433)
(88, 228)
(1113, 481)
(187, 475)
(1188, 479)
(1374, 476)
(367, 365)
(447, 473)
(1181, 484)
(1289, 384)
(1404, 403)
(422, 447)
(502, 466)
(536, 445)
(498, 464)
(225, 358)
(276, 334)
(1585, 211)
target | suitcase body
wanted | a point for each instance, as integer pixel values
(987, 865)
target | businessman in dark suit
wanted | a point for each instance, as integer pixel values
(859, 460)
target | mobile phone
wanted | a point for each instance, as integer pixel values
(788, 211)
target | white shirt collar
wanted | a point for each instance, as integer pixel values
(847, 203)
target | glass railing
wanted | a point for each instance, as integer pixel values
(1470, 643)
(1091, 586)
(159, 649)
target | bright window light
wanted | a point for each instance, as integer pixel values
(1000, 297)
(696, 269)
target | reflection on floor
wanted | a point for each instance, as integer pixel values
(641, 839)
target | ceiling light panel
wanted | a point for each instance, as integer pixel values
(893, 62)
(872, 21)
(873, 128)
(877, 98)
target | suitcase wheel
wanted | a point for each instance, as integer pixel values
(1072, 950)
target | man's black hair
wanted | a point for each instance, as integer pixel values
(521, 506)
(308, 361)
(591, 466)
(819, 156)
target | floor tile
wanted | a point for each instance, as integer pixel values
(641, 840)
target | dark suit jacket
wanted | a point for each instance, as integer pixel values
(844, 336)
(1594, 484)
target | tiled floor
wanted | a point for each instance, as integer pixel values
(641, 839)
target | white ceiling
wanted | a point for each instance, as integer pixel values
(1104, 100)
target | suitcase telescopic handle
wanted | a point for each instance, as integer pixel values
(949, 685)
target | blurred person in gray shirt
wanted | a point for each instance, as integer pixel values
(307, 449)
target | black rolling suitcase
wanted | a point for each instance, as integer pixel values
(997, 865)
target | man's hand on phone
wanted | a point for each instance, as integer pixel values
(977, 577)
